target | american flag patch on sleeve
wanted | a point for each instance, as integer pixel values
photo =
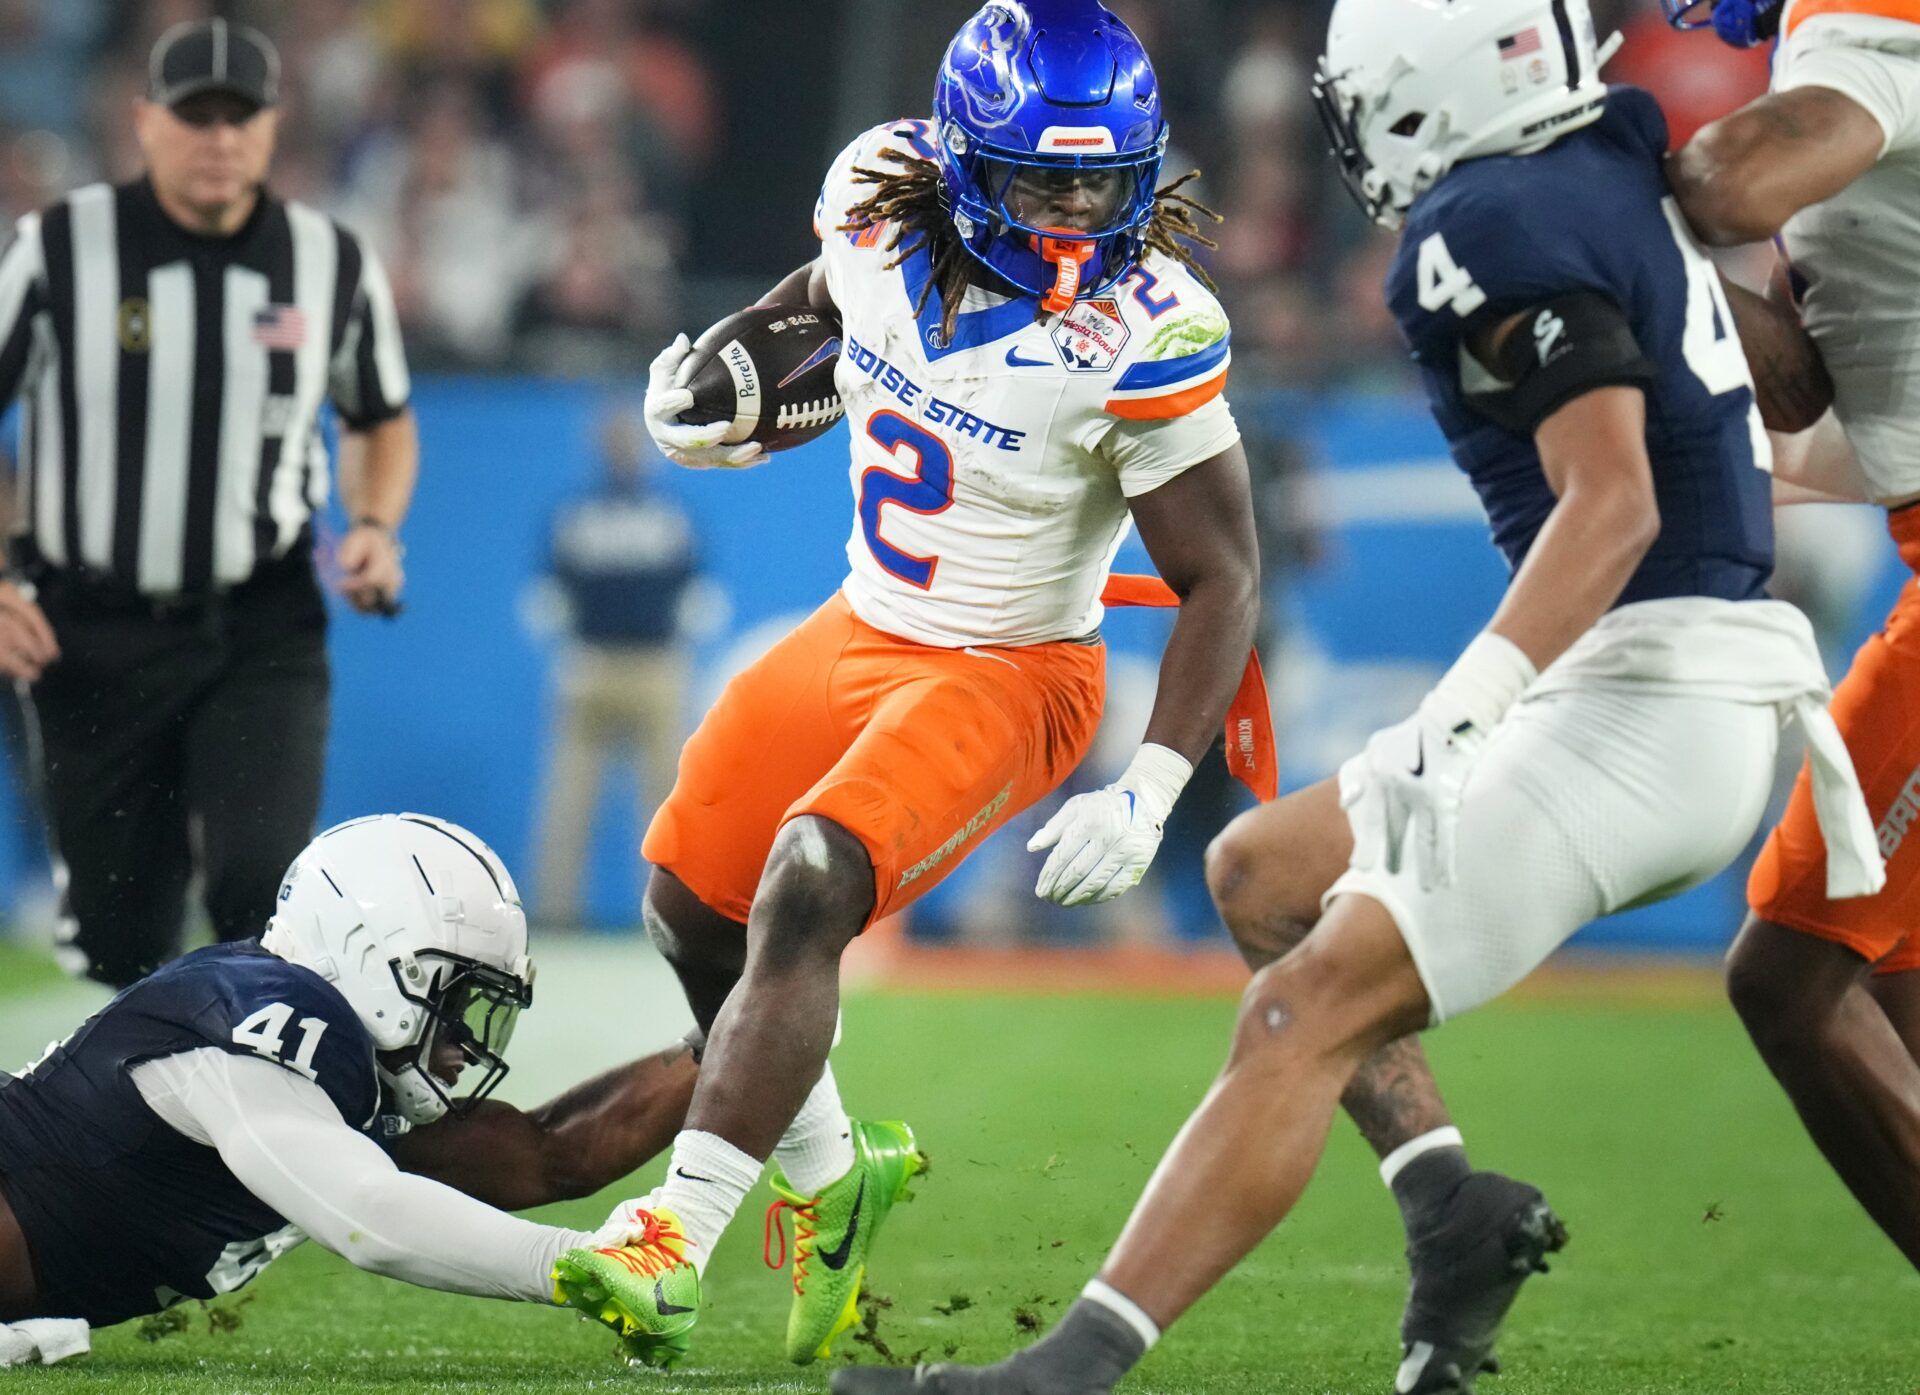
(279, 327)
(1521, 44)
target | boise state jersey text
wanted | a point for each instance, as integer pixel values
(1591, 213)
(123, 1215)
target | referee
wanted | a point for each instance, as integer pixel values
(173, 341)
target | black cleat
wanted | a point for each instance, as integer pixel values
(1493, 1234)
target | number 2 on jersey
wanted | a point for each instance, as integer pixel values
(927, 490)
(265, 1031)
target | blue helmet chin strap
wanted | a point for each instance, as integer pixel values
(1739, 23)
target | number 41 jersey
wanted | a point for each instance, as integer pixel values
(125, 1216)
(991, 474)
(1591, 213)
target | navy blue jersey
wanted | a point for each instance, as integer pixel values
(122, 1214)
(625, 558)
(1591, 213)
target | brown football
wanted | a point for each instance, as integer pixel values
(769, 371)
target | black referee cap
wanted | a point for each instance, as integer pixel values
(211, 55)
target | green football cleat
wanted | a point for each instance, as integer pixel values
(833, 1234)
(648, 1291)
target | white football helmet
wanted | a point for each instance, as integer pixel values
(1410, 88)
(418, 925)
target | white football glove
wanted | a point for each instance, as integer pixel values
(696, 447)
(1402, 792)
(1104, 841)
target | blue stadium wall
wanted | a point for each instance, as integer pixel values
(446, 709)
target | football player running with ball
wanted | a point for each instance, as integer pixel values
(303, 1085)
(1606, 741)
(1030, 362)
(1829, 162)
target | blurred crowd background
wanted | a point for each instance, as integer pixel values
(559, 186)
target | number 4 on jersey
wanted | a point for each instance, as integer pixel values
(1444, 282)
(265, 1032)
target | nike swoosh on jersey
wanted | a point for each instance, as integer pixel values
(837, 1258)
(1015, 361)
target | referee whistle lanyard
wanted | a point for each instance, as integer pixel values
(1250, 750)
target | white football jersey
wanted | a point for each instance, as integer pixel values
(1859, 252)
(991, 474)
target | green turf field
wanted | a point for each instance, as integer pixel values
(1711, 1249)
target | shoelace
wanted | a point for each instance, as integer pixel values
(650, 1254)
(806, 1225)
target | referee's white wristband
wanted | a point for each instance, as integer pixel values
(1157, 774)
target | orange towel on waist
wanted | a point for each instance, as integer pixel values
(1250, 750)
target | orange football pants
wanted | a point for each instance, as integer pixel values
(919, 752)
(1877, 708)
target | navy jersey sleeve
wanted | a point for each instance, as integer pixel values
(244, 1000)
(1507, 234)
(1470, 260)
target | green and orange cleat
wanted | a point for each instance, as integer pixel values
(647, 1291)
(833, 1233)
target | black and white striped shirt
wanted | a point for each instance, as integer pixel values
(172, 382)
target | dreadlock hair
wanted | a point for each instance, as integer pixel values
(912, 198)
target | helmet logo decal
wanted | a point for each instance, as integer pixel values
(1078, 140)
(989, 85)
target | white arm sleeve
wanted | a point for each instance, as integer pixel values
(283, 1138)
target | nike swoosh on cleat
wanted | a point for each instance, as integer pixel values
(1015, 361)
(837, 1258)
(660, 1304)
(682, 1172)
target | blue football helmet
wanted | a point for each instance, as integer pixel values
(1741, 23)
(1050, 138)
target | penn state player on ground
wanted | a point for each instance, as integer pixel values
(1030, 361)
(1829, 162)
(255, 1094)
(1607, 739)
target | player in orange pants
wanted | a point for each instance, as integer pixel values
(1030, 364)
(919, 753)
(1826, 987)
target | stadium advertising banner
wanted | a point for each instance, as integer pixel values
(448, 708)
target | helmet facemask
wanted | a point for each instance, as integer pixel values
(1343, 115)
(1009, 205)
(1739, 23)
(463, 1003)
